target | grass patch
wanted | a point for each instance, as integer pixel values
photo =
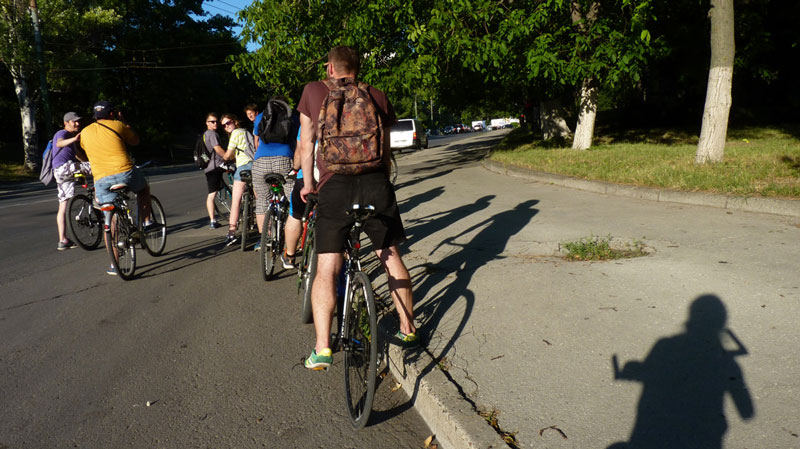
(597, 248)
(757, 162)
(10, 172)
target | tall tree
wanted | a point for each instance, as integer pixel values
(17, 55)
(711, 146)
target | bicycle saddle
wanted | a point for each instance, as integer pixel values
(246, 175)
(274, 178)
(118, 187)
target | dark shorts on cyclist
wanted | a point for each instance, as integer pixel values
(296, 206)
(134, 178)
(339, 194)
(214, 179)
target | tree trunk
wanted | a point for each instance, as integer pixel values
(584, 130)
(711, 147)
(27, 112)
(551, 120)
(587, 113)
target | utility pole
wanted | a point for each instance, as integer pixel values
(416, 114)
(431, 110)
(37, 37)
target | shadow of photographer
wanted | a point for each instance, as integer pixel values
(685, 379)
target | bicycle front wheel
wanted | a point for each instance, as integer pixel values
(360, 347)
(156, 238)
(85, 223)
(393, 170)
(309, 268)
(121, 247)
(269, 254)
(222, 202)
(245, 218)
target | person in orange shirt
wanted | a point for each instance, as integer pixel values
(105, 142)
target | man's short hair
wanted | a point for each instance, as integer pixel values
(345, 59)
(251, 107)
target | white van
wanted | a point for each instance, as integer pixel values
(408, 133)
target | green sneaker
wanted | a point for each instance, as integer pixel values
(410, 340)
(319, 361)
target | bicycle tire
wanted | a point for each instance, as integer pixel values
(245, 218)
(310, 266)
(222, 202)
(267, 245)
(156, 240)
(393, 170)
(85, 223)
(121, 248)
(360, 349)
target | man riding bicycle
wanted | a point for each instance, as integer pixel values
(337, 193)
(105, 143)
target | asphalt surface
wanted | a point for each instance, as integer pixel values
(693, 345)
(213, 349)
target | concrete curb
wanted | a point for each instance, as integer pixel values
(747, 204)
(451, 418)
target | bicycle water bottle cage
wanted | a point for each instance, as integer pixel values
(273, 179)
(246, 175)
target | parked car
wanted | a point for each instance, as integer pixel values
(408, 133)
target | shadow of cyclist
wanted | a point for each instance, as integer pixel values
(685, 378)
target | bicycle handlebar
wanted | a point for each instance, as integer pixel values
(311, 200)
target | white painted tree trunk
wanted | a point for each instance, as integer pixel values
(27, 112)
(584, 130)
(551, 119)
(713, 133)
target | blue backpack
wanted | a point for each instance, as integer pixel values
(46, 175)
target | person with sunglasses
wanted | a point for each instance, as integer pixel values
(215, 168)
(240, 149)
(66, 162)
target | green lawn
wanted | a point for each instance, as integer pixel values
(10, 172)
(758, 161)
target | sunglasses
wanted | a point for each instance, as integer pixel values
(211, 121)
(227, 123)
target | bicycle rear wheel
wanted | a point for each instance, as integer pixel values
(156, 239)
(268, 244)
(85, 223)
(245, 218)
(121, 247)
(360, 347)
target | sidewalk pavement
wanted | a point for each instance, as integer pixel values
(694, 345)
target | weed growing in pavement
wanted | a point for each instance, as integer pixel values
(597, 248)
(491, 417)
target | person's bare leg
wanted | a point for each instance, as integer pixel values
(323, 297)
(399, 282)
(61, 220)
(292, 230)
(236, 202)
(210, 205)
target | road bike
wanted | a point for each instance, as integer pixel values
(358, 331)
(84, 219)
(124, 230)
(307, 266)
(272, 236)
(247, 218)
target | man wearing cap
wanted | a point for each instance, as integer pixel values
(66, 162)
(105, 142)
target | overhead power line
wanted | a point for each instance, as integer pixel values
(143, 67)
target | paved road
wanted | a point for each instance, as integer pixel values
(215, 350)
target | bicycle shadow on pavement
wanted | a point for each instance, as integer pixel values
(444, 301)
(685, 379)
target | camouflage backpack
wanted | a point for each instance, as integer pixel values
(350, 129)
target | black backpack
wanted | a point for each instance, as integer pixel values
(200, 155)
(276, 122)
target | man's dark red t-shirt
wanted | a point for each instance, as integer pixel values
(311, 102)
